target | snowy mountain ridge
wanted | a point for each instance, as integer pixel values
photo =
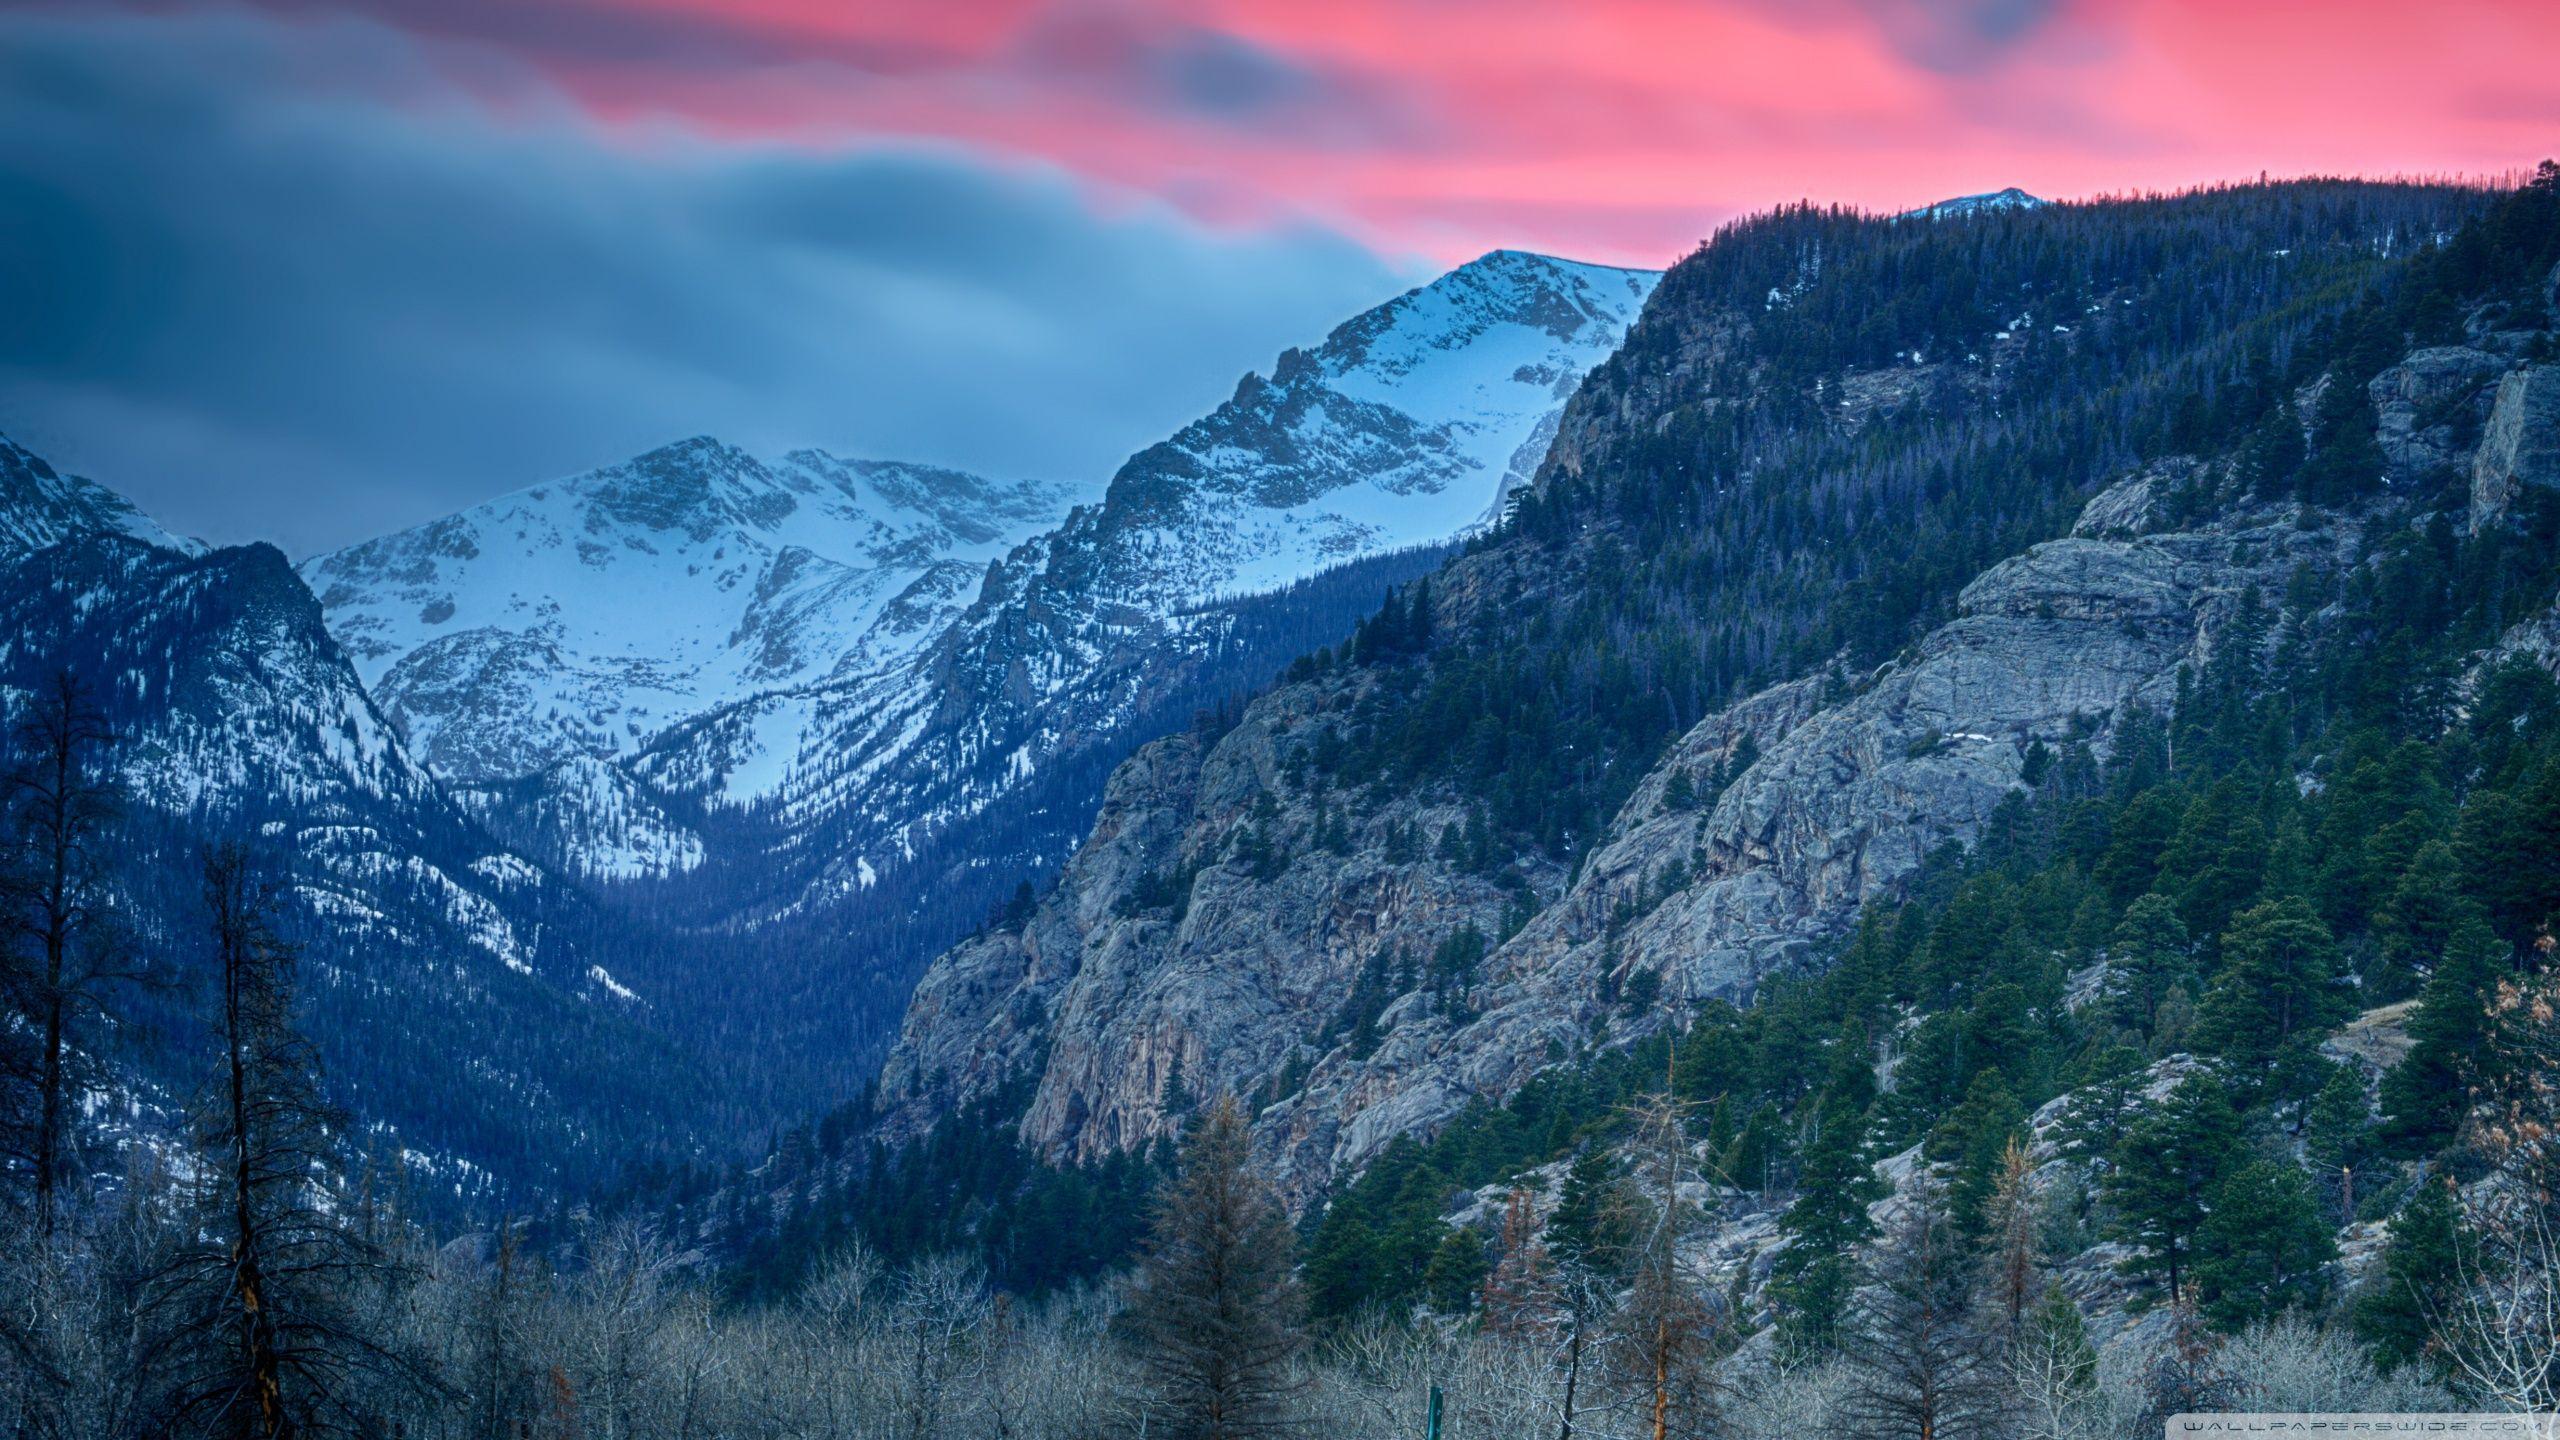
(593, 662)
(41, 506)
(237, 717)
(1407, 428)
(580, 619)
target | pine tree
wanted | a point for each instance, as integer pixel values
(250, 1327)
(2425, 1096)
(2166, 1173)
(2148, 956)
(2278, 979)
(2417, 923)
(1968, 1147)
(1817, 1271)
(1584, 1228)
(2337, 1132)
(2263, 1249)
(2421, 1265)
(1214, 1308)
(1456, 1271)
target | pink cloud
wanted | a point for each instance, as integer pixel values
(1616, 129)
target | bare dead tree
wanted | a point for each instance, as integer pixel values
(65, 950)
(1670, 1326)
(940, 1318)
(1921, 1363)
(1214, 1307)
(2013, 1277)
(252, 1322)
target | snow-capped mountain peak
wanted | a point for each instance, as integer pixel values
(583, 616)
(41, 506)
(1404, 429)
(1407, 426)
(1990, 202)
(883, 646)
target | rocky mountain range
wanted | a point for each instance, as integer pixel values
(865, 653)
(573, 624)
(238, 717)
(700, 661)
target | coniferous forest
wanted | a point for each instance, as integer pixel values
(2209, 1068)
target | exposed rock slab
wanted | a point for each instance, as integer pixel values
(2521, 445)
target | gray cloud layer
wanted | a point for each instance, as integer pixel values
(307, 280)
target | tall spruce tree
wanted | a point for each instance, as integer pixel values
(2278, 979)
(2425, 1096)
(2263, 1249)
(1214, 1308)
(2421, 1265)
(1818, 1270)
(2148, 956)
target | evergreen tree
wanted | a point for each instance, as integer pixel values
(1456, 1271)
(1969, 1146)
(2278, 979)
(2166, 1172)
(2421, 1266)
(1214, 1308)
(2218, 855)
(2425, 1096)
(2337, 1132)
(1817, 1272)
(2263, 1248)
(2148, 956)
(2417, 924)
(1585, 1228)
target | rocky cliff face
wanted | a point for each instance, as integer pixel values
(2520, 447)
(1123, 1009)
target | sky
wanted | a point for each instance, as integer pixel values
(310, 271)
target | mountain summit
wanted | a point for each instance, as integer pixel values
(41, 506)
(582, 618)
(2012, 198)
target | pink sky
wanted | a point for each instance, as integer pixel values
(1610, 129)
